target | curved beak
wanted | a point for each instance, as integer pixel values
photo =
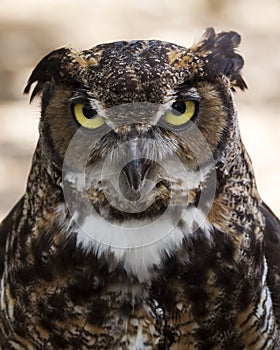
(136, 172)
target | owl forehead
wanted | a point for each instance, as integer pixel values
(137, 70)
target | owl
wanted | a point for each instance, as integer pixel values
(141, 226)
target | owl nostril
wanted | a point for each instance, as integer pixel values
(136, 172)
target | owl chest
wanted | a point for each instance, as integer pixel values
(68, 300)
(68, 314)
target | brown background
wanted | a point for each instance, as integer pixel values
(29, 29)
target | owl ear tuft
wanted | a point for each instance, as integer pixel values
(49, 69)
(220, 55)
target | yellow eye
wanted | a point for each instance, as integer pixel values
(87, 117)
(181, 113)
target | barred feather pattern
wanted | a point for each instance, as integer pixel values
(215, 287)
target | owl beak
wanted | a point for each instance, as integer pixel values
(136, 172)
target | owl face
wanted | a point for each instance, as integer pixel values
(137, 128)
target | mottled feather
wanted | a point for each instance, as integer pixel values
(141, 226)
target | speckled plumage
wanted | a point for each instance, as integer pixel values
(210, 286)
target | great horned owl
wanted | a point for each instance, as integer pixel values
(141, 226)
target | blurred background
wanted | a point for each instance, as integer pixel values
(30, 29)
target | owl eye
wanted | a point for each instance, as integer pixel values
(86, 116)
(180, 113)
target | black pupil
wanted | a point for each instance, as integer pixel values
(88, 112)
(179, 108)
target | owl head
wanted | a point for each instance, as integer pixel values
(137, 129)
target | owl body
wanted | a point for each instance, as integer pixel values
(141, 226)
